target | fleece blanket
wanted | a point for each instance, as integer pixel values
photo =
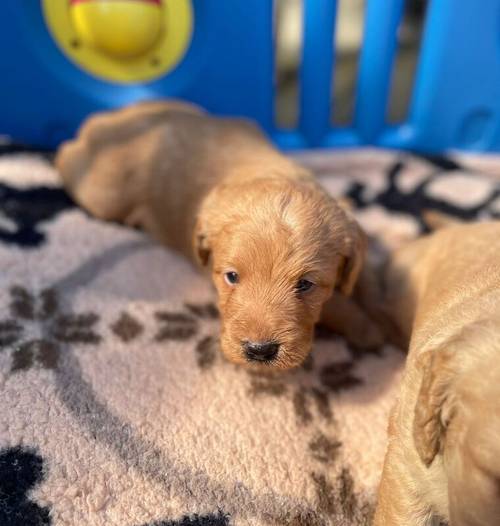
(116, 407)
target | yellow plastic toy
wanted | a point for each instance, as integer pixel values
(122, 40)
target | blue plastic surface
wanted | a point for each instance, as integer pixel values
(229, 69)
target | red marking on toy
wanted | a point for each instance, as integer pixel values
(71, 2)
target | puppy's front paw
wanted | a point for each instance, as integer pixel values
(343, 316)
(368, 337)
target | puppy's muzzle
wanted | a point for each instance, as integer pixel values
(260, 351)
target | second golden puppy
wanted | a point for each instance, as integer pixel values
(443, 458)
(277, 244)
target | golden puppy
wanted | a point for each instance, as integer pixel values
(215, 189)
(443, 458)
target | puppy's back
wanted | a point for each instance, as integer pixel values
(152, 163)
(445, 279)
(443, 291)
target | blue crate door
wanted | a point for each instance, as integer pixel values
(455, 102)
(456, 97)
(44, 94)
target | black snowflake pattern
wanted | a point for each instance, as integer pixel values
(182, 325)
(174, 326)
(24, 210)
(38, 327)
(418, 200)
(20, 471)
(219, 519)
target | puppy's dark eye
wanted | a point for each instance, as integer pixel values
(303, 285)
(231, 277)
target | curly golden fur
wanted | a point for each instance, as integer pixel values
(217, 191)
(443, 458)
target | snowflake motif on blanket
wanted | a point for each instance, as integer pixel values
(38, 327)
(20, 470)
(22, 211)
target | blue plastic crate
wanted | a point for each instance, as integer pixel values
(228, 68)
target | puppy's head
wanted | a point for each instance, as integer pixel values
(277, 250)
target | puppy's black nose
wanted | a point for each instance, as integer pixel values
(261, 351)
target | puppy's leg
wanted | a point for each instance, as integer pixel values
(362, 318)
(404, 475)
(397, 505)
(343, 316)
(413, 486)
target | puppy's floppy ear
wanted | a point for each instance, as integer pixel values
(353, 252)
(430, 411)
(201, 244)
